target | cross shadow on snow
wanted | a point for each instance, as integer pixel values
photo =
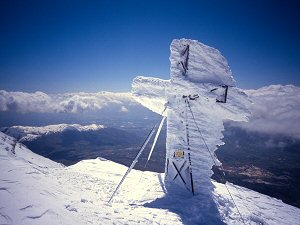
(198, 209)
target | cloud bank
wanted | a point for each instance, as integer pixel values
(275, 110)
(70, 102)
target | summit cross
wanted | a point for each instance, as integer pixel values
(199, 97)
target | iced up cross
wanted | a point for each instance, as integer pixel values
(200, 76)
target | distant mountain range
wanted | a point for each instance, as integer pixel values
(27, 133)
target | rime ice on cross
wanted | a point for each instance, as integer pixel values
(195, 118)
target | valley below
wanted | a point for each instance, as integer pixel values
(265, 163)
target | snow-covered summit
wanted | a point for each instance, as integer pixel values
(29, 133)
(35, 190)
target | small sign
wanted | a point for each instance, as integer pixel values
(179, 154)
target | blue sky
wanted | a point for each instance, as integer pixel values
(71, 46)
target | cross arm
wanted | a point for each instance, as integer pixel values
(150, 92)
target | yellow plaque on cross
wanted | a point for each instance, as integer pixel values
(179, 154)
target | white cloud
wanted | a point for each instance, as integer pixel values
(69, 102)
(275, 110)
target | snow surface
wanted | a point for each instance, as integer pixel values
(35, 190)
(28, 133)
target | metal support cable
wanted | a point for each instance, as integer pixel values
(136, 158)
(222, 174)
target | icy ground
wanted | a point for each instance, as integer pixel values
(36, 190)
